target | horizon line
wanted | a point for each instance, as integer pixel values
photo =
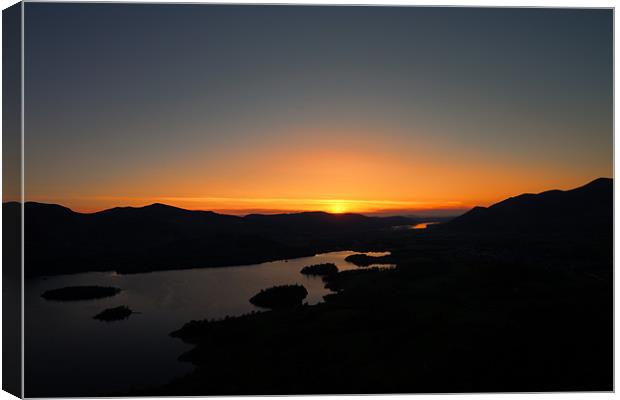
(427, 212)
(257, 205)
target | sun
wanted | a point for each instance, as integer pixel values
(337, 208)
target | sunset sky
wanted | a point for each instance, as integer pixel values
(341, 109)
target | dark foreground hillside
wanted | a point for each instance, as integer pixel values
(464, 311)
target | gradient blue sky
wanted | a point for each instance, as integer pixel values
(334, 108)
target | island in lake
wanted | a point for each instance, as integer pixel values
(76, 293)
(114, 314)
(320, 269)
(278, 297)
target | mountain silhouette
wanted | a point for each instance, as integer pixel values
(159, 236)
(588, 208)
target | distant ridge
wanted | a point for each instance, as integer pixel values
(159, 236)
(160, 210)
(586, 208)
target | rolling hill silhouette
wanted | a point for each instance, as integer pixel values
(158, 236)
(587, 208)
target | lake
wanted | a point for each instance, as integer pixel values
(68, 353)
(423, 225)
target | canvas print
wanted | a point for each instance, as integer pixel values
(277, 199)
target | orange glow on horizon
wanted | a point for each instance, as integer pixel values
(242, 206)
(315, 170)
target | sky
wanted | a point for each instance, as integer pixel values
(289, 108)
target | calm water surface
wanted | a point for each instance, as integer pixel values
(69, 353)
(423, 225)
